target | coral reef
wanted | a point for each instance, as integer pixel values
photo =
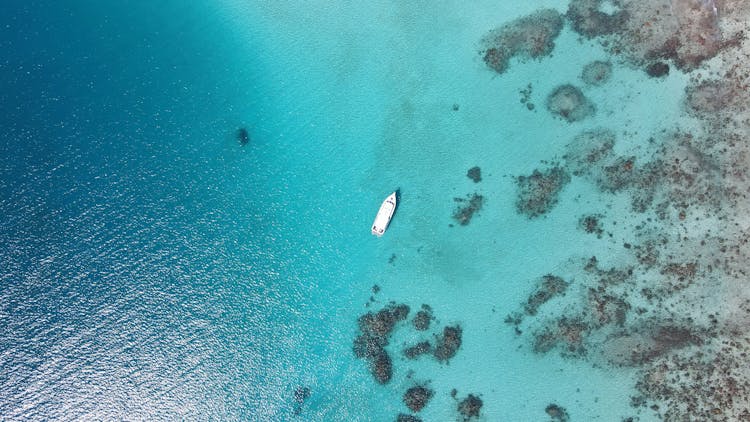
(591, 223)
(448, 344)
(301, 394)
(243, 136)
(588, 149)
(402, 417)
(596, 73)
(588, 19)
(475, 174)
(549, 287)
(375, 331)
(419, 349)
(421, 320)
(529, 37)
(686, 32)
(569, 334)
(568, 102)
(464, 214)
(557, 413)
(676, 306)
(417, 397)
(538, 192)
(469, 407)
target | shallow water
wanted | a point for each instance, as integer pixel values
(156, 268)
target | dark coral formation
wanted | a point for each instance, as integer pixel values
(596, 73)
(448, 344)
(588, 149)
(243, 136)
(538, 192)
(568, 102)
(557, 413)
(417, 397)
(657, 69)
(529, 37)
(549, 287)
(380, 324)
(421, 320)
(588, 19)
(301, 394)
(591, 223)
(375, 334)
(419, 349)
(403, 417)
(464, 214)
(469, 407)
(475, 174)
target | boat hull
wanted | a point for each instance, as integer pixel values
(385, 213)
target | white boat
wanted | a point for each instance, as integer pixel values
(384, 215)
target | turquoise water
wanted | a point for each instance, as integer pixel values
(154, 268)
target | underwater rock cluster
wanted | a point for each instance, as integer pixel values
(529, 37)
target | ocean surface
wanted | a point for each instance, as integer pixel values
(152, 267)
